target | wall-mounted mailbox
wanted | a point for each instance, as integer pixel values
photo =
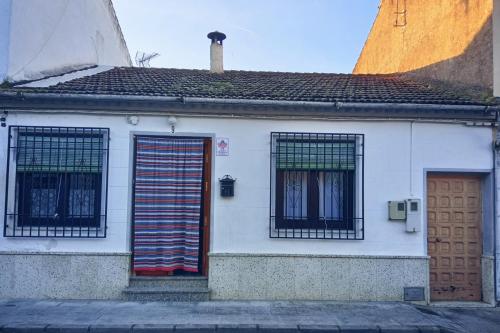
(227, 186)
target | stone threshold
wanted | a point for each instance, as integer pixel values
(459, 304)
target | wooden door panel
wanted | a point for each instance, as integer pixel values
(454, 237)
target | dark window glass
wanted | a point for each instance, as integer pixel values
(315, 199)
(59, 199)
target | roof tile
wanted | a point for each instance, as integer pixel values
(280, 86)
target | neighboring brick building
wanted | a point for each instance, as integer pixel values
(452, 40)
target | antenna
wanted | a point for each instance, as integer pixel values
(142, 58)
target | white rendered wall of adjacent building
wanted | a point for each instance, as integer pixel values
(5, 9)
(496, 47)
(47, 38)
(240, 224)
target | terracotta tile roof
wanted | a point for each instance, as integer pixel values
(275, 86)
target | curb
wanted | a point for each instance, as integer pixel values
(202, 328)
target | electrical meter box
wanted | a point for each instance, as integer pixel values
(397, 210)
(413, 215)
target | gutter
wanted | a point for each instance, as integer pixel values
(50, 102)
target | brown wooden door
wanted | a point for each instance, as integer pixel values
(454, 237)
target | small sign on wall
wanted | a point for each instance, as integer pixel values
(222, 148)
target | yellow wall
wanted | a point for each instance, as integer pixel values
(441, 39)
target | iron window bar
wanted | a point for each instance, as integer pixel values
(317, 186)
(56, 182)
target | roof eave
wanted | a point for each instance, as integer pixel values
(50, 102)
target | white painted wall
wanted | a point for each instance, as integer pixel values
(52, 37)
(496, 48)
(241, 223)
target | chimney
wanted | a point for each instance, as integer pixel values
(216, 52)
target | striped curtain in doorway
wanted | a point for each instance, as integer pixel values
(167, 203)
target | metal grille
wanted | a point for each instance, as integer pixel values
(56, 182)
(317, 186)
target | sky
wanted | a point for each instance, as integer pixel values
(262, 35)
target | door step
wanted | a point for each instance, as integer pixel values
(167, 294)
(171, 288)
(169, 281)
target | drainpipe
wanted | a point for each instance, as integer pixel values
(496, 145)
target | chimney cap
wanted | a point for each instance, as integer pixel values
(216, 36)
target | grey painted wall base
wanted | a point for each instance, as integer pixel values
(488, 279)
(63, 275)
(315, 277)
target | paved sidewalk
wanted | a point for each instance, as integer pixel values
(116, 316)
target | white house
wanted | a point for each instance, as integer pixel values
(45, 38)
(346, 187)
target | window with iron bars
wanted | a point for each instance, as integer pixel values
(56, 182)
(317, 186)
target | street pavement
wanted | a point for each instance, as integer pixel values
(239, 316)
